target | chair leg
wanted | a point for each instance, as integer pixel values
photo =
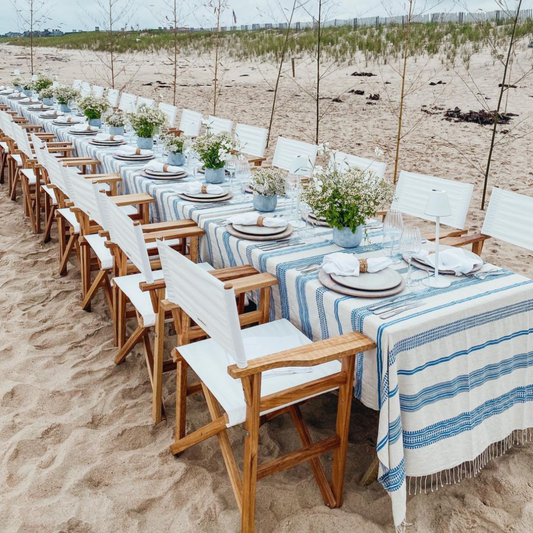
(50, 216)
(181, 399)
(85, 270)
(252, 393)
(136, 337)
(342, 429)
(28, 207)
(63, 263)
(3, 160)
(14, 181)
(120, 315)
(89, 295)
(159, 344)
(109, 294)
(149, 357)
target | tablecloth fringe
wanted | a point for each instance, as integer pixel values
(469, 469)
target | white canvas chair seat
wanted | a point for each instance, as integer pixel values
(29, 174)
(210, 361)
(4, 146)
(130, 286)
(18, 159)
(50, 192)
(97, 243)
(412, 194)
(70, 217)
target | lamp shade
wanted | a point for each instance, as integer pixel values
(300, 166)
(438, 204)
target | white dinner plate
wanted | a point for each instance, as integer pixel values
(378, 281)
(134, 158)
(157, 174)
(258, 230)
(206, 196)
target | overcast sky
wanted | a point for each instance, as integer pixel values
(81, 15)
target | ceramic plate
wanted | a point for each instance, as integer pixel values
(162, 174)
(258, 230)
(38, 108)
(202, 171)
(107, 144)
(206, 196)
(134, 158)
(227, 196)
(278, 236)
(83, 132)
(424, 266)
(163, 178)
(378, 281)
(328, 282)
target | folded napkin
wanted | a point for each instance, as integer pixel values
(253, 219)
(156, 166)
(107, 137)
(255, 347)
(197, 188)
(131, 150)
(53, 113)
(70, 120)
(83, 127)
(40, 106)
(453, 259)
(30, 100)
(7, 91)
(343, 264)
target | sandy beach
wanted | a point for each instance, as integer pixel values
(78, 450)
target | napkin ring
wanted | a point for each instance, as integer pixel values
(260, 220)
(165, 168)
(111, 137)
(89, 128)
(204, 189)
(138, 151)
(363, 266)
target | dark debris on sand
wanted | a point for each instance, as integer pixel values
(485, 118)
(363, 74)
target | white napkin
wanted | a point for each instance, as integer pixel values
(156, 166)
(255, 347)
(30, 100)
(450, 259)
(70, 120)
(131, 150)
(107, 137)
(343, 264)
(83, 127)
(250, 219)
(53, 113)
(7, 91)
(196, 188)
(41, 106)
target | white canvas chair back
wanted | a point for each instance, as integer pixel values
(191, 122)
(112, 97)
(412, 194)
(146, 101)
(218, 125)
(6, 124)
(21, 138)
(251, 140)
(340, 160)
(98, 91)
(76, 84)
(85, 89)
(38, 145)
(83, 194)
(509, 217)
(55, 172)
(205, 300)
(171, 112)
(127, 234)
(288, 149)
(127, 102)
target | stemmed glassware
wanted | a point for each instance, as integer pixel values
(291, 192)
(392, 231)
(410, 245)
(231, 167)
(242, 173)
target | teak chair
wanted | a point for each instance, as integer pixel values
(341, 159)
(255, 375)
(85, 89)
(144, 101)
(508, 218)
(76, 84)
(190, 122)
(127, 102)
(98, 91)
(288, 149)
(112, 96)
(252, 142)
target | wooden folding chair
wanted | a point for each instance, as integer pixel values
(252, 142)
(342, 160)
(218, 125)
(275, 368)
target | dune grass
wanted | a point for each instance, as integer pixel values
(450, 41)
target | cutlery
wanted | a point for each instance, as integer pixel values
(483, 275)
(395, 307)
(402, 298)
(275, 243)
(282, 246)
(308, 267)
(391, 314)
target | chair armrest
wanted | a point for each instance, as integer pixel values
(313, 354)
(32, 127)
(155, 286)
(132, 199)
(252, 283)
(169, 224)
(102, 175)
(45, 136)
(58, 143)
(256, 161)
(102, 179)
(179, 233)
(60, 150)
(445, 234)
(227, 274)
(464, 240)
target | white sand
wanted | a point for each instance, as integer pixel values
(78, 451)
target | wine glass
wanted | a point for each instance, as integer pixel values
(231, 167)
(242, 173)
(392, 231)
(291, 191)
(307, 231)
(410, 245)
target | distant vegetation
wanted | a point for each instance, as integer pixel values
(451, 42)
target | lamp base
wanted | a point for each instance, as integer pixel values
(437, 283)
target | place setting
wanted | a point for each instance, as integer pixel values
(83, 129)
(51, 114)
(203, 193)
(39, 107)
(16, 96)
(67, 121)
(131, 154)
(105, 140)
(155, 170)
(256, 227)
(29, 101)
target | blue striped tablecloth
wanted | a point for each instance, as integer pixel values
(452, 379)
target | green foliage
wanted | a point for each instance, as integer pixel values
(42, 82)
(146, 121)
(93, 107)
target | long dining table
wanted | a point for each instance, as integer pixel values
(452, 379)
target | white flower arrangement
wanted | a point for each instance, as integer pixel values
(346, 197)
(146, 121)
(172, 143)
(93, 107)
(116, 119)
(48, 92)
(214, 150)
(42, 83)
(268, 182)
(64, 94)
